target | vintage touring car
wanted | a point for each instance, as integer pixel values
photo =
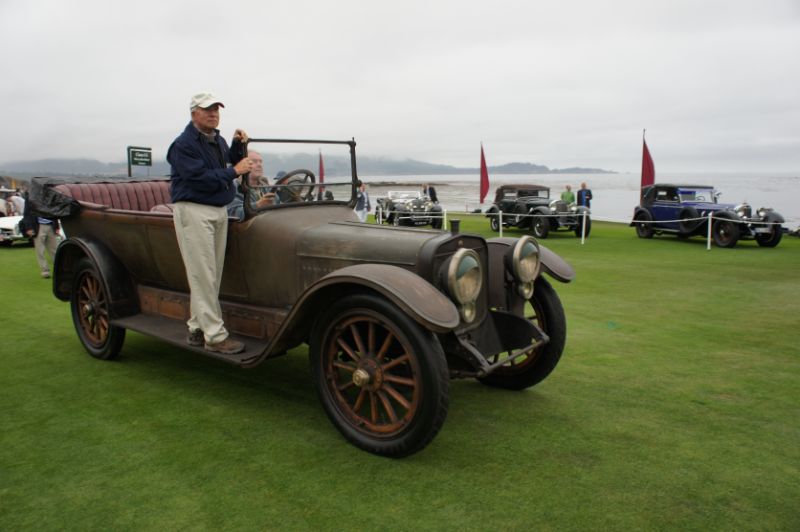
(408, 207)
(530, 207)
(684, 209)
(389, 314)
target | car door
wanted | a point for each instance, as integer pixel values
(665, 208)
(506, 204)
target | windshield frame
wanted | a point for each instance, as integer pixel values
(682, 190)
(250, 210)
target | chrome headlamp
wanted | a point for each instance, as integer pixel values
(525, 264)
(464, 281)
(742, 210)
(763, 211)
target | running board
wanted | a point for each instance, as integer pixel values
(175, 331)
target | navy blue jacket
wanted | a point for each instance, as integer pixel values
(585, 197)
(197, 174)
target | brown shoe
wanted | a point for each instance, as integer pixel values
(195, 338)
(226, 347)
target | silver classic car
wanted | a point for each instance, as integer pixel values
(408, 207)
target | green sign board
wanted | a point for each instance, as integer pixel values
(140, 156)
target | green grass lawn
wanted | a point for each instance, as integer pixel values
(676, 405)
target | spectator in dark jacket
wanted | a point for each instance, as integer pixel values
(585, 196)
(430, 192)
(44, 232)
(202, 184)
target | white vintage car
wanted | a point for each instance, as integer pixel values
(9, 230)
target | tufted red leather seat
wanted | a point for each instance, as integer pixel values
(127, 195)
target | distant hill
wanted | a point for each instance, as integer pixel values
(334, 166)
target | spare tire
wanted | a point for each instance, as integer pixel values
(690, 220)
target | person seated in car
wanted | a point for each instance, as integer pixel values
(259, 193)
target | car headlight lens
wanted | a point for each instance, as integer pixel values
(525, 261)
(464, 276)
(763, 212)
(743, 210)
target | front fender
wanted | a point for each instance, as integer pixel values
(118, 284)
(636, 211)
(411, 293)
(774, 218)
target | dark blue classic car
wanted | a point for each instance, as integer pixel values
(684, 210)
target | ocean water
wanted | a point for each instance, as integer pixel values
(615, 195)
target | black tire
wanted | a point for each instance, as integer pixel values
(772, 239)
(579, 227)
(6, 243)
(540, 226)
(494, 221)
(89, 303)
(725, 232)
(688, 221)
(548, 315)
(401, 404)
(644, 227)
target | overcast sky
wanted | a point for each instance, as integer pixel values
(568, 83)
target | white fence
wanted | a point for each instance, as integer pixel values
(584, 217)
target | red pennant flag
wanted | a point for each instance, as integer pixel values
(484, 176)
(321, 169)
(648, 168)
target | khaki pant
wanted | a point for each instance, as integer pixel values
(202, 232)
(45, 239)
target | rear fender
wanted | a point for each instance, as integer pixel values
(118, 284)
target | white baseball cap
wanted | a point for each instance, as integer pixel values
(204, 100)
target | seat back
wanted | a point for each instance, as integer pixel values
(127, 195)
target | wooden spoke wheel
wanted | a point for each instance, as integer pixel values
(382, 379)
(90, 313)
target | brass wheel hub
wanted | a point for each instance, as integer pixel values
(361, 377)
(368, 375)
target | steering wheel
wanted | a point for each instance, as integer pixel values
(298, 186)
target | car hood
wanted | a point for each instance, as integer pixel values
(354, 243)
